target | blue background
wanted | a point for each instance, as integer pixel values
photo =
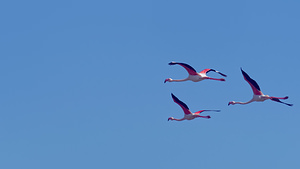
(82, 84)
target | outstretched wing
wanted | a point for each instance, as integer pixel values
(181, 104)
(198, 112)
(277, 100)
(253, 84)
(208, 70)
(189, 68)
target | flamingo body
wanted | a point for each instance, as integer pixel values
(258, 96)
(197, 78)
(193, 75)
(190, 116)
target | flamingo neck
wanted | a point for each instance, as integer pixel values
(178, 119)
(244, 102)
(178, 80)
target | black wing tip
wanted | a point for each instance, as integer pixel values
(250, 80)
(172, 63)
(277, 100)
(222, 74)
(243, 72)
(173, 96)
(214, 110)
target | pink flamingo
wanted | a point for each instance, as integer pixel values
(193, 75)
(188, 115)
(258, 96)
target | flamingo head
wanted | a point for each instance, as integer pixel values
(170, 118)
(168, 80)
(232, 102)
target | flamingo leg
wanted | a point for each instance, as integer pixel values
(207, 117)
(286, 97)
(221, 79)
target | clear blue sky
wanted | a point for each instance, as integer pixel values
(82, 84)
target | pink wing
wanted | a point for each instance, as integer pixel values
(181, 104)
(187, 67)
(198, 112)
(208, 70)
(205, 71)
(253, 84)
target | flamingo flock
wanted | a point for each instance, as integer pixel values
(258, 96)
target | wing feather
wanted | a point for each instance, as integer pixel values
(184, 107)
(213, 70)
(253, 83)
(187, 67)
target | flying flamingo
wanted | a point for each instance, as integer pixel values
(193, 75)
(258, 96)
(188, 115)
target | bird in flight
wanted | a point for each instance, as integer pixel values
(188, 115)
(193, 75)
(258, 96)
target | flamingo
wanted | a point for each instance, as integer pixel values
(193, 75)
(188, 115)
(258, 96)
